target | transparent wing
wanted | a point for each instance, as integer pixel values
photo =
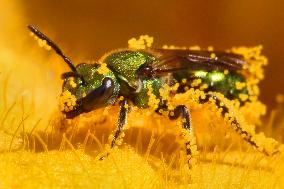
(170, 61)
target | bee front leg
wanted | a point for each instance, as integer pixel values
(187, 132)
(266, 145)
(118, 135)
(121, 122)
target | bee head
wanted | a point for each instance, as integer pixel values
(86, 87)
(92, 86)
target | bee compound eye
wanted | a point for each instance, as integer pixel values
(100, 96)
(107, 82)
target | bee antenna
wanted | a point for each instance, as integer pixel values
(35, 31)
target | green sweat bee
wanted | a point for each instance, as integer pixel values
(128, 73)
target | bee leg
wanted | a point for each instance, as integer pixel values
(118, 135)
(187, 132)
(266, 145)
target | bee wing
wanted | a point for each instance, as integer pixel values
(176, 60)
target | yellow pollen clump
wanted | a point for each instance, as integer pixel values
(173, 47)
(67, 101)
(255, 90)
(190, 140)
(153, 100)
(204, 86)
(41, 43)
(240, 85)
(103, 69)
(243, 97)
(143, 42)
(253, 98)
(253, 69)
(196, 82)
(126, 106)
(121, 98)
(210, 48)
(171, 107)
(72, 83)
(175, 87)
(197, 48)
(165, 92)
(184, 80)
(255, 61)
(212, 55)
(226, 71)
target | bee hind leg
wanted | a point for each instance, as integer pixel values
(187, 132)
(267, 146)
(117, 137)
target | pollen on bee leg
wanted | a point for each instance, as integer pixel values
(219, 111)
(262, 143)
(186, 88)
(243, 97)
(118, 140)
(121, 98)
(175, 87)
(196, 82)
(165, 92)
(191, 146)
(267, 145)
(203, 87)
(171, 107)
(107, 150)
(153, 101)
(240, 85)
(226, 117)
(184, 80)
(110, 137)
(172, 113)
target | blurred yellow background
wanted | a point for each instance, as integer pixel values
(88, 29)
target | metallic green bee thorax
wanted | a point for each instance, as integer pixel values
(126, 63)
(141, 99)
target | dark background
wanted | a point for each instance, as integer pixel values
(88, 29)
